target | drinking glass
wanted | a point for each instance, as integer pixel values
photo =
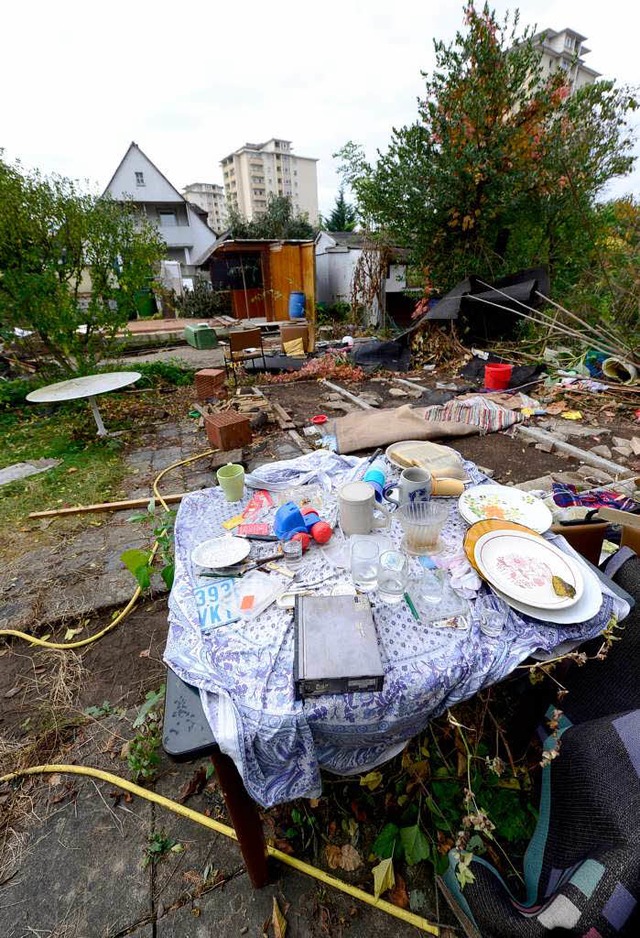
(292, 553)
(429, 587)
(393, 572)
(492, 614)
(422, 522)
(364, 565)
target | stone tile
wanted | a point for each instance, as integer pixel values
(83, 869)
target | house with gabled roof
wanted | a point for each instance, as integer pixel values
(181, 224)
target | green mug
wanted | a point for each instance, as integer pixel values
(231, 480)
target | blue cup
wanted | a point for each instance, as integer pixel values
(377, 480)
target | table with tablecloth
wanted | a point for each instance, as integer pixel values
(245, 670)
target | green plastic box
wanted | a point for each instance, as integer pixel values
(201, 336)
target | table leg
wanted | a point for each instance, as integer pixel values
(97, 417)
(244, 817)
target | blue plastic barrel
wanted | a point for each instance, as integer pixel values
(296, 305)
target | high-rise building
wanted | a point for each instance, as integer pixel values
(564, 50)
(258, 170)
(211, 198)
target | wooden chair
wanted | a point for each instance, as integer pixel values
(244, 345)
(186, 736)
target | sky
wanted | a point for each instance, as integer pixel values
(192, 82)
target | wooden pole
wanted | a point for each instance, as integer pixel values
(347, 394)
(106, 506)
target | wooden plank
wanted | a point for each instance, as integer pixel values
(284, 420)
(302, 443)
(106, 506)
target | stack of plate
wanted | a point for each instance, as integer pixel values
(520, 566)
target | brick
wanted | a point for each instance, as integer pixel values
(209, 383)
(228, 430)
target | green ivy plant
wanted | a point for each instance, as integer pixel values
(141, 563)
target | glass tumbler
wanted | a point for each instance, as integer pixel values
(292, 554)
(364, 565)
(492, 614)
(393, 573)
(422, 521)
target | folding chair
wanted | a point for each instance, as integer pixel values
(244, 345)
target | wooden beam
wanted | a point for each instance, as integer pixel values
(106, 506)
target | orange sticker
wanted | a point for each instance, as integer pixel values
(247, 603)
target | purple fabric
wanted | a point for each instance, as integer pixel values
(619, 907)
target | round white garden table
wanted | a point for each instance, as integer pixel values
(89, 386)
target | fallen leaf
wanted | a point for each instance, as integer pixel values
(278, 921)
(371, 781)
(145, 653)
(68, 635)
(55, 779)
(344, 858)
(194, 786)
(14, 690)
(284, 846)
(333, 855)
(399, 895)
(351, 859)
(383, 877)
(314, 802)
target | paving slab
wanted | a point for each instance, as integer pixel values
(22, 470)
(82, 868)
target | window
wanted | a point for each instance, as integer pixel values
(139, 179)
(168, 219)
(568, 42)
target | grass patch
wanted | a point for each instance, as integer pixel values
(91, 469)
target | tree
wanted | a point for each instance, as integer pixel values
(57, 242)
(279, 221)
(343, 217)
(502, 166)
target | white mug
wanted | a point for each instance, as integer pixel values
(415, 485)
(357, 503)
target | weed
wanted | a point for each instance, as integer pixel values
(140, 562)
(104, 710)
(158, 846)
(142, 751)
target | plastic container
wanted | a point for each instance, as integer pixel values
(296, 305)
(201, 336)
(497, 376)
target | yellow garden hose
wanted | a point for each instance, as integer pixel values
(409, 917)
(66, 646)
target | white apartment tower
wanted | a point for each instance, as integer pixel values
(258, 170)
(564, 50)
(211, 198)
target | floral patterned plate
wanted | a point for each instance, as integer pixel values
(522, 566)
(506, 504)
(476, 531)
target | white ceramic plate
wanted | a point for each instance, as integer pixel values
(220, 551)
(522, 565)
(586, 607)
(507, 504)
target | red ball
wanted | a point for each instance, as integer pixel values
(304, 539)
(321, 532)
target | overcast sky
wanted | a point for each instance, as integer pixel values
(190, 82)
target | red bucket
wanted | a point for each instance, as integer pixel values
(497, 377)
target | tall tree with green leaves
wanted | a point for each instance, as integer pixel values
(57, 243)
(502, 166)
(279, 221)
(343, 216)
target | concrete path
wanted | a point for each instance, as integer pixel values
(79, 867)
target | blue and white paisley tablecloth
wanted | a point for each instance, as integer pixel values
(244, 670)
